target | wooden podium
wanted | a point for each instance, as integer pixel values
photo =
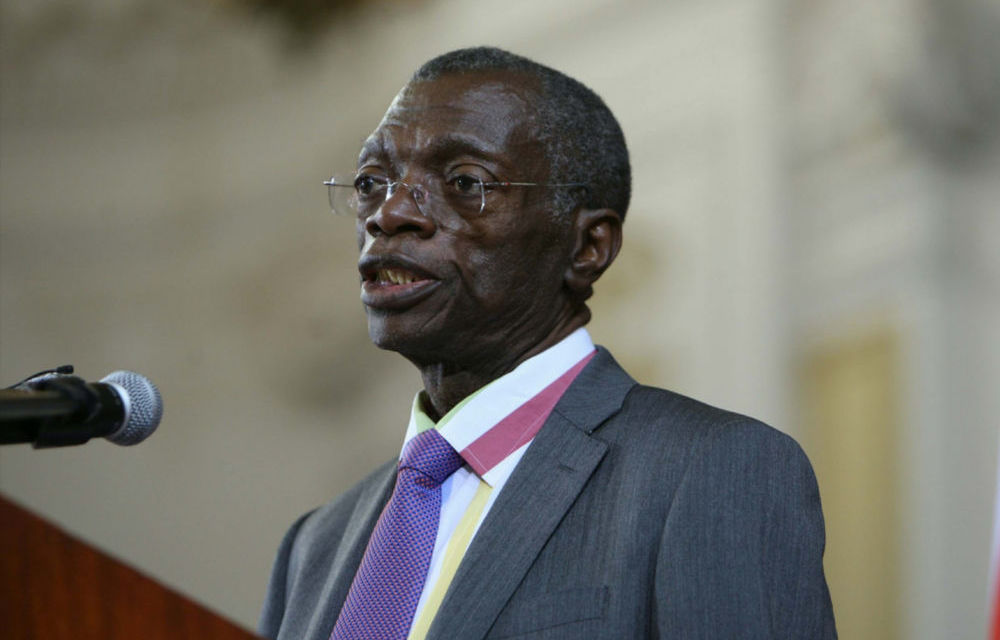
(55, 587)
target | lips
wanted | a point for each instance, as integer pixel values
(393, 283)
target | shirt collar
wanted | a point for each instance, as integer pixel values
(478, 413)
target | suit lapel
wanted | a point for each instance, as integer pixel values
(550, 476)
(352, 548)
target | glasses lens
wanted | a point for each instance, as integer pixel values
(352, 195)
(464, 194)
(343, 197)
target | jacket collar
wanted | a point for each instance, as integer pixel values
(561, 460)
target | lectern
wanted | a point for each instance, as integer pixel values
(55, 587)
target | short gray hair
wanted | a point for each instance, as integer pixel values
(583, 140)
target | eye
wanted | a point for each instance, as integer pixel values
(466, 185)
(367, 184)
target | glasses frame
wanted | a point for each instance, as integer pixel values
(419, 191)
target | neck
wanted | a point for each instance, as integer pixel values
(446, 384)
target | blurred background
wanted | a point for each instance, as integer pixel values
(813, 241)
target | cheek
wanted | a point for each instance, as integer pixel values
(512, 275)
(513, 265)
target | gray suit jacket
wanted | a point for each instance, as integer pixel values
(635, 513)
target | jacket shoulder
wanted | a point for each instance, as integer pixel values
(659, 413)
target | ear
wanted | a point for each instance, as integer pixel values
(597, 239)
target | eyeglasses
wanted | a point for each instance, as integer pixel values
(362, 195)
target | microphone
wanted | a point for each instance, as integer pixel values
(55, 410)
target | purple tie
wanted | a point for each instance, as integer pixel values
(387, 586)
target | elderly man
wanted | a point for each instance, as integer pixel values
(541, 492)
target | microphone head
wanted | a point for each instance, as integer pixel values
(143, 407)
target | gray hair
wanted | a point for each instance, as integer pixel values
(583, 140)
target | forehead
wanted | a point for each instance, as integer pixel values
(490, 114)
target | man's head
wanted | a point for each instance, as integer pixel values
(448, 282)
(583, 140)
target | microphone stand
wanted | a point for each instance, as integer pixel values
(54, 413)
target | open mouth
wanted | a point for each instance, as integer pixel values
(393, 286)
(394, 276)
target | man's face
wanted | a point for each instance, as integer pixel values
(443, 285)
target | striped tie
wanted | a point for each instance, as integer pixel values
(387, 586)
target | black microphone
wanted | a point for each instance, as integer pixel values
(58, 410)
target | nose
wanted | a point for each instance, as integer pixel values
(401, 212)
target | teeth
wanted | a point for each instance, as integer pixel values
(395, 276)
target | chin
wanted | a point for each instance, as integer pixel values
(386, 343)
(410, 344)
(381, 338)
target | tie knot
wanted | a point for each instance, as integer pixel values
(430, 454)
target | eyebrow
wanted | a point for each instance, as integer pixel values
(443, 148)
(457, 144)
(372, 146)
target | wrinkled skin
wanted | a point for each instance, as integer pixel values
(467, 298)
